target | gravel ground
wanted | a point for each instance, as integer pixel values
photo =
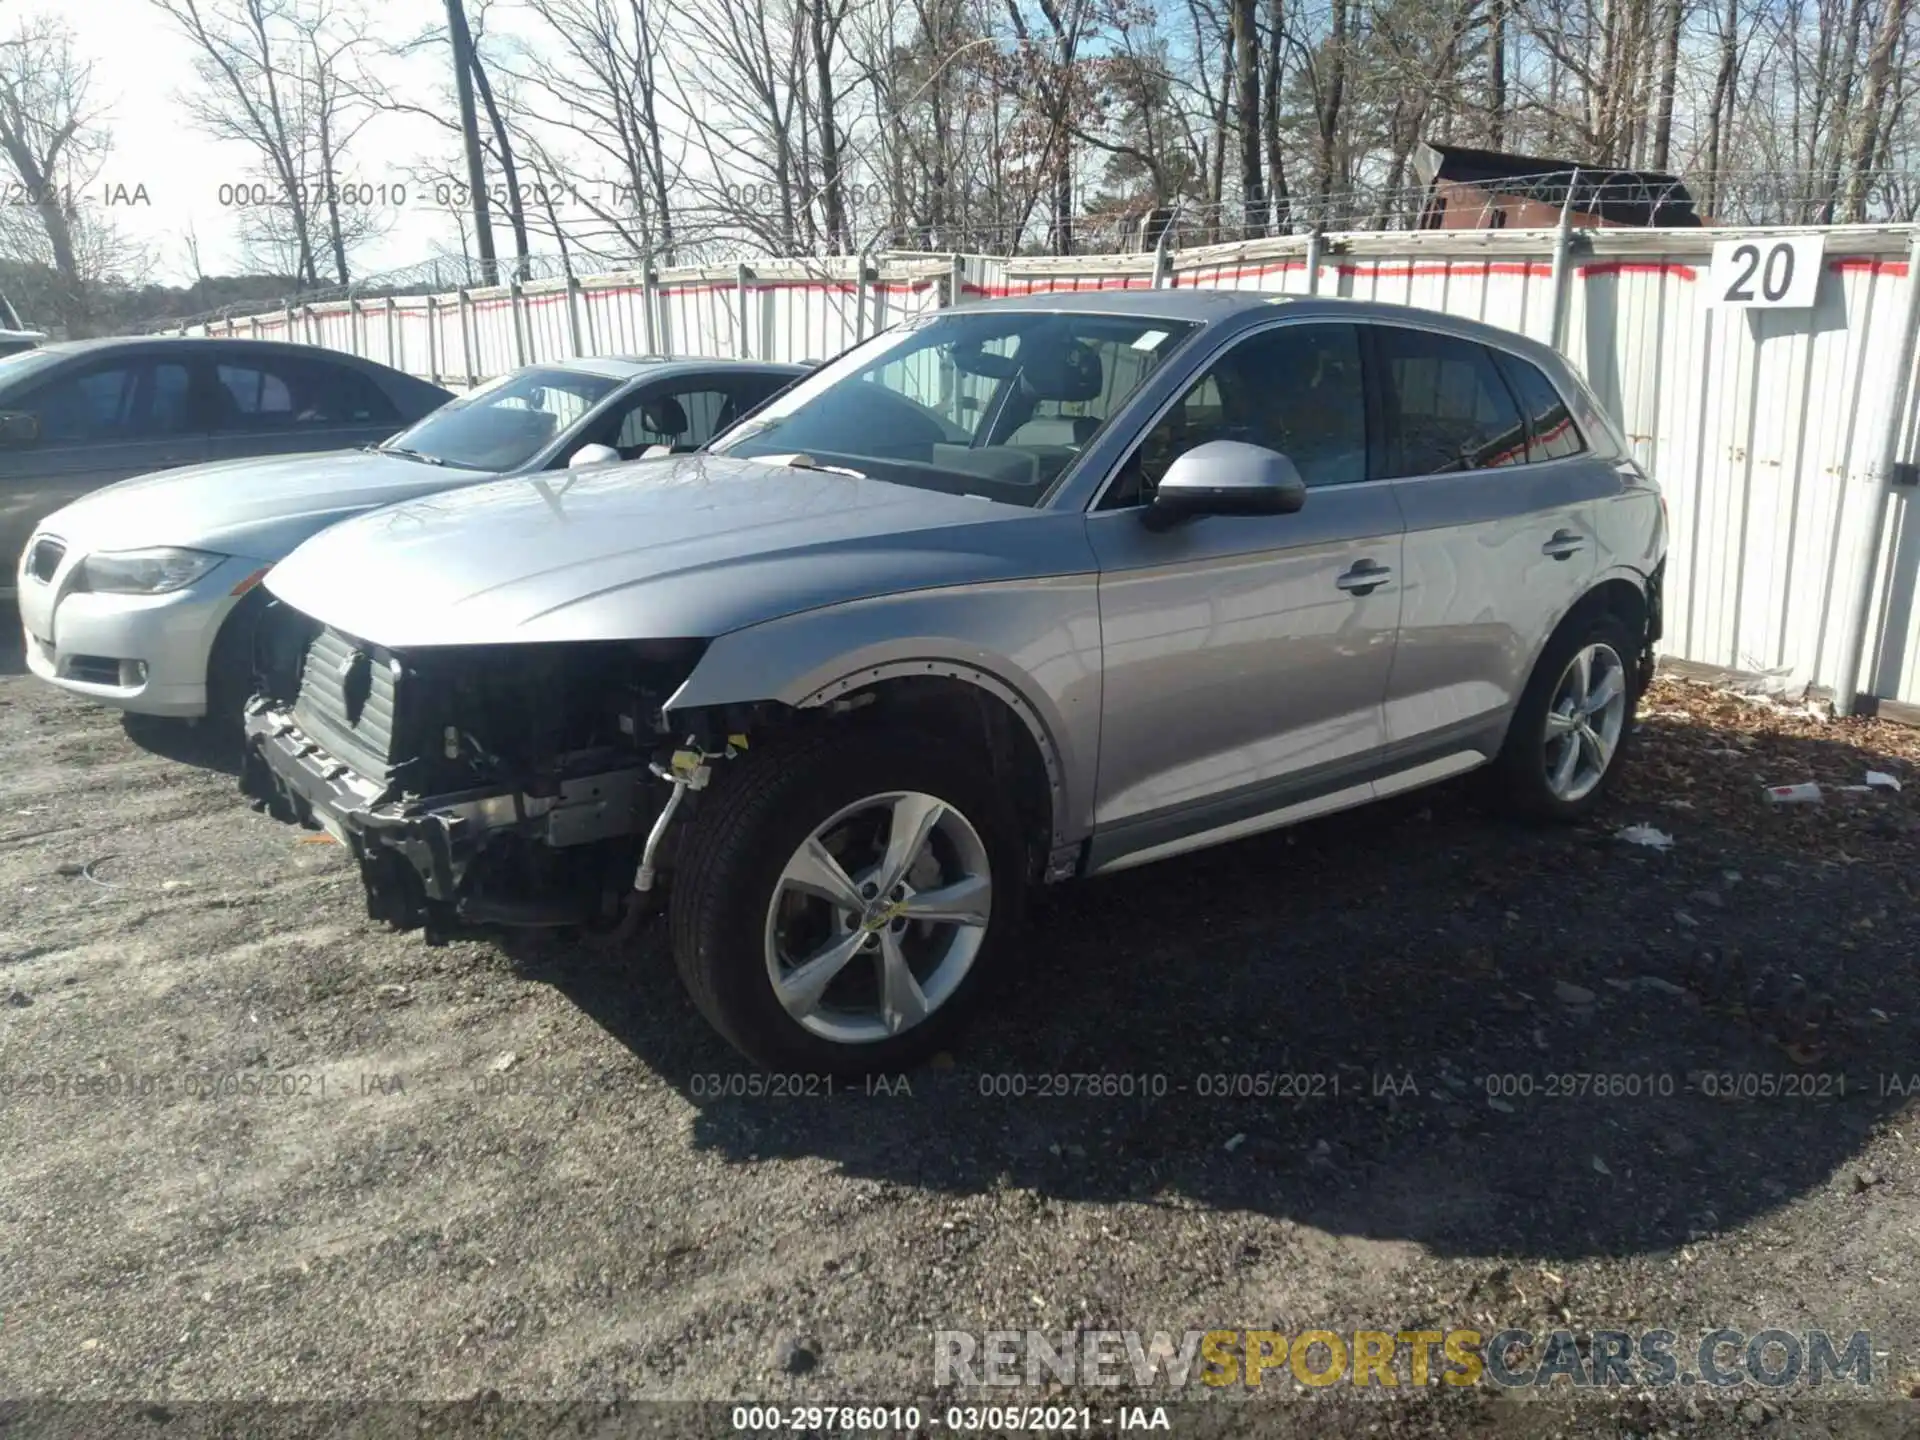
(503, 1167)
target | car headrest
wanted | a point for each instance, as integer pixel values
(1059, 369)
(664, 416)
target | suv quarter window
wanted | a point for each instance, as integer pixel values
(1551, 432)
(1297, 389)
(1444, 406)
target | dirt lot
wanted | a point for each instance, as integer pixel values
(400, 1229)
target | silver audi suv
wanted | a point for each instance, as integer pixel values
(1018, 593)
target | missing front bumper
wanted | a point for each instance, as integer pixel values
(503, 856)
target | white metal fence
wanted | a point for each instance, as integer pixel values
(1781, 437)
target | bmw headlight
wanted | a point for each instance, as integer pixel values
(146, 572)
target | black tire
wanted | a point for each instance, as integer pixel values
(1518, 777)
(759, 809)
(230, 664)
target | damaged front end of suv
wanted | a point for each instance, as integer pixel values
(519, 784)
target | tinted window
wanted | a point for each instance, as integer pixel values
(296, 393)
(1446, 407)
(1296, 389)
(1552, 435)
(131, 400)
(683, 418)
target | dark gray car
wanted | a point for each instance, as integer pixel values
(81, 414)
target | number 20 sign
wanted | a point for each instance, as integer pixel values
(1780, 272)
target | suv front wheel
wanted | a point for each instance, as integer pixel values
(841, 898)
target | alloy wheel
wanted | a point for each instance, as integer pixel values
(1585, 721)
(878, 916)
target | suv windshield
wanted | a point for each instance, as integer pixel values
(504, 423)
(994, 403)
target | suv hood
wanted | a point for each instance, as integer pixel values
(259, 508)
(690, 547)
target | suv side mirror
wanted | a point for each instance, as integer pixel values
(592, 455)
(1226, 477)
(19, 427)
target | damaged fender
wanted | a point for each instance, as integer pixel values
(1049, 674)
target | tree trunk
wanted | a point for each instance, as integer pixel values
(331, 191)
(1497, 74)
(1063, 196)
(833, 197)
(1720, 112)
(1330, 105)
(509, 170)
(470, 135)
(1866, 132)
(1246, 79)
(1669, 77)
(1276, 147)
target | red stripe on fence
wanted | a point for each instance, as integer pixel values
(1395, 270)
(1639, 267)
(1862, 265)
(1240, 272)
(840, 287)
(1042, 285)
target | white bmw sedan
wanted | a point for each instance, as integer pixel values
(143, 594)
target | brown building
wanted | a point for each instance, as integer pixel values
(1489, 190)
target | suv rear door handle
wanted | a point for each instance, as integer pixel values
(1564, 545)
(1364, 578)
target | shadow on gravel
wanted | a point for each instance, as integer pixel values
(1412, 1022)
(13, 653)
(186, 742)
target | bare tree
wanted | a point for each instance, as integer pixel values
(53, 142)
(597, 89)
(279, 77)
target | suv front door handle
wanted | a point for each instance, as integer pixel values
(1364, 578)
(1564, 545)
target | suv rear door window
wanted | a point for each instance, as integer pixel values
(1445, 406)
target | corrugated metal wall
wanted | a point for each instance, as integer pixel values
(1763, 426)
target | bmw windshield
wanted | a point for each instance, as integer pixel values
(994, 403)
(504, 423)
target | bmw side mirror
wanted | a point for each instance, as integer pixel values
(592, 455)
(19, 427)
(1226, 477)
(656, 452)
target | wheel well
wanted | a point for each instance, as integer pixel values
(230, 658)
(1621, 598)
(960, 712)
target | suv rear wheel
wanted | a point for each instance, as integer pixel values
(839, 900)
(1564, 746)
